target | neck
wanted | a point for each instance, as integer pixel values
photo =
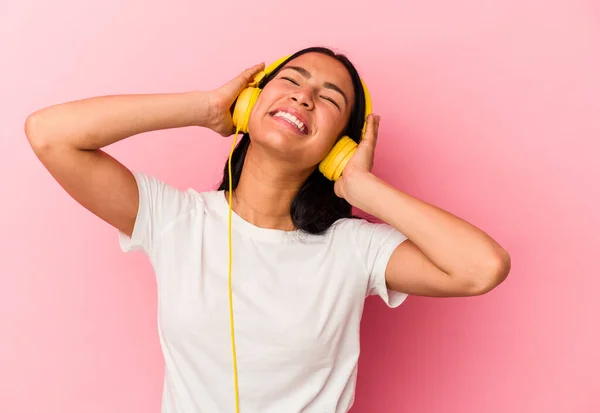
(265, 191)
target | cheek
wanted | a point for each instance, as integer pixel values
(333, 128)
(323, 142)
(331, 125)
(254, 120)
(259, 111)
(326, 145)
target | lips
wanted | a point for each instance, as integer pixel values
(294, 113)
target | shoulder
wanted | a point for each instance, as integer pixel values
(348, 231)
(359, 227)
(366, 235)
(168, 201)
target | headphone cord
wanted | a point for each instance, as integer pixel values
(233, 351)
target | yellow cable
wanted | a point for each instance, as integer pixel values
(235, 373)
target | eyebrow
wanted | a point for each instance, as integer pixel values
(327, 85)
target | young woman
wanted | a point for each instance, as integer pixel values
(302, 264)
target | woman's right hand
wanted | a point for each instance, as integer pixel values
(221, 100)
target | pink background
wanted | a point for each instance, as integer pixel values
(490, 110)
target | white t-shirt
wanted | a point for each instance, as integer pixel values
(298, 300)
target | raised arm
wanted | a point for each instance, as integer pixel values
(67, 138)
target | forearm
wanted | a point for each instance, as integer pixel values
(453, 245)
(97, 122)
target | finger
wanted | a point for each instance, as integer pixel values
(372, 129)
(242, 80)
(376, 132)
(249, 73)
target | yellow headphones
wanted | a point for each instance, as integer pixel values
(331, 166)
(335, 161)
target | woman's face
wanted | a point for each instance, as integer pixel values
(303, 110)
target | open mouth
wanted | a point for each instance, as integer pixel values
(291, 119)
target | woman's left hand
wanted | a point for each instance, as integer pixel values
(360, 164)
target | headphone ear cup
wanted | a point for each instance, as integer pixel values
(243, 107)
(334, 163)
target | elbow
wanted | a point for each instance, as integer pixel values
(491, 274)
(34, 131)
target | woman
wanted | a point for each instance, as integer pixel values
(302, 265)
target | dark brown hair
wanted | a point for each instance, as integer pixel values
(316, 206)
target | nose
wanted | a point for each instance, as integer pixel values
(303, 97)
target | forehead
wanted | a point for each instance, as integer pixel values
(325, 68)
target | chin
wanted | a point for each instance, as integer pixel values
(280, 145)
(275, 139)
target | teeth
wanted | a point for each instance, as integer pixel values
(292, 119)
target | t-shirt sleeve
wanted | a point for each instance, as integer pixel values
(376, 242)
(159, 205)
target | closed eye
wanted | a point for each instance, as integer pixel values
(290, 80)
(323, 97)
(332, 101)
